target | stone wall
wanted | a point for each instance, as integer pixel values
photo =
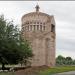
(42, 40)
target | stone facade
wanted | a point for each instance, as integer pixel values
(39, 29)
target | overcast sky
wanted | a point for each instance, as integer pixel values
(63, 11)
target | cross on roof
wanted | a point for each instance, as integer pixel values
(37, 8)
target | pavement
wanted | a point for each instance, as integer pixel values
(66, 73)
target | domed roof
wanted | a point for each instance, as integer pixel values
(37, 12)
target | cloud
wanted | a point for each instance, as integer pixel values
(63, 12)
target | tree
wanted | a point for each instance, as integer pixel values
(73, 62)
(60, 60)
(13, 48)
(68, 60)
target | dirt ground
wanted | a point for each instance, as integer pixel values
(31, 71)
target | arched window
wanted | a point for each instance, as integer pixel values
(34, 27)
(37, 22)
(40, 22)
(27, 22)
(41, 27)
(37, 27)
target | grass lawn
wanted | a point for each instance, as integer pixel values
(48, 71)
(51, 71)
(7, 73)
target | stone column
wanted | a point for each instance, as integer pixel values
(30, 27)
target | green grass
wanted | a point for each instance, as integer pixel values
(7, 73)
(51, 71)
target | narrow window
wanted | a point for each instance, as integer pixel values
(34, 27)
(40, 22)
(43, 27)
(52, 28)
(37, 22)
(27, 22)
(37, 27)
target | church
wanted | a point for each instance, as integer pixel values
(39, 29)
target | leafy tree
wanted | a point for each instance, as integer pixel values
(60, 60)
(13, 48)
(73, 62)
(68, 60)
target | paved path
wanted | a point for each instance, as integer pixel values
(66, 73)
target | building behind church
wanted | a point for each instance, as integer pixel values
(39, 29)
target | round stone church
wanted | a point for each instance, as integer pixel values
(39, 29)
